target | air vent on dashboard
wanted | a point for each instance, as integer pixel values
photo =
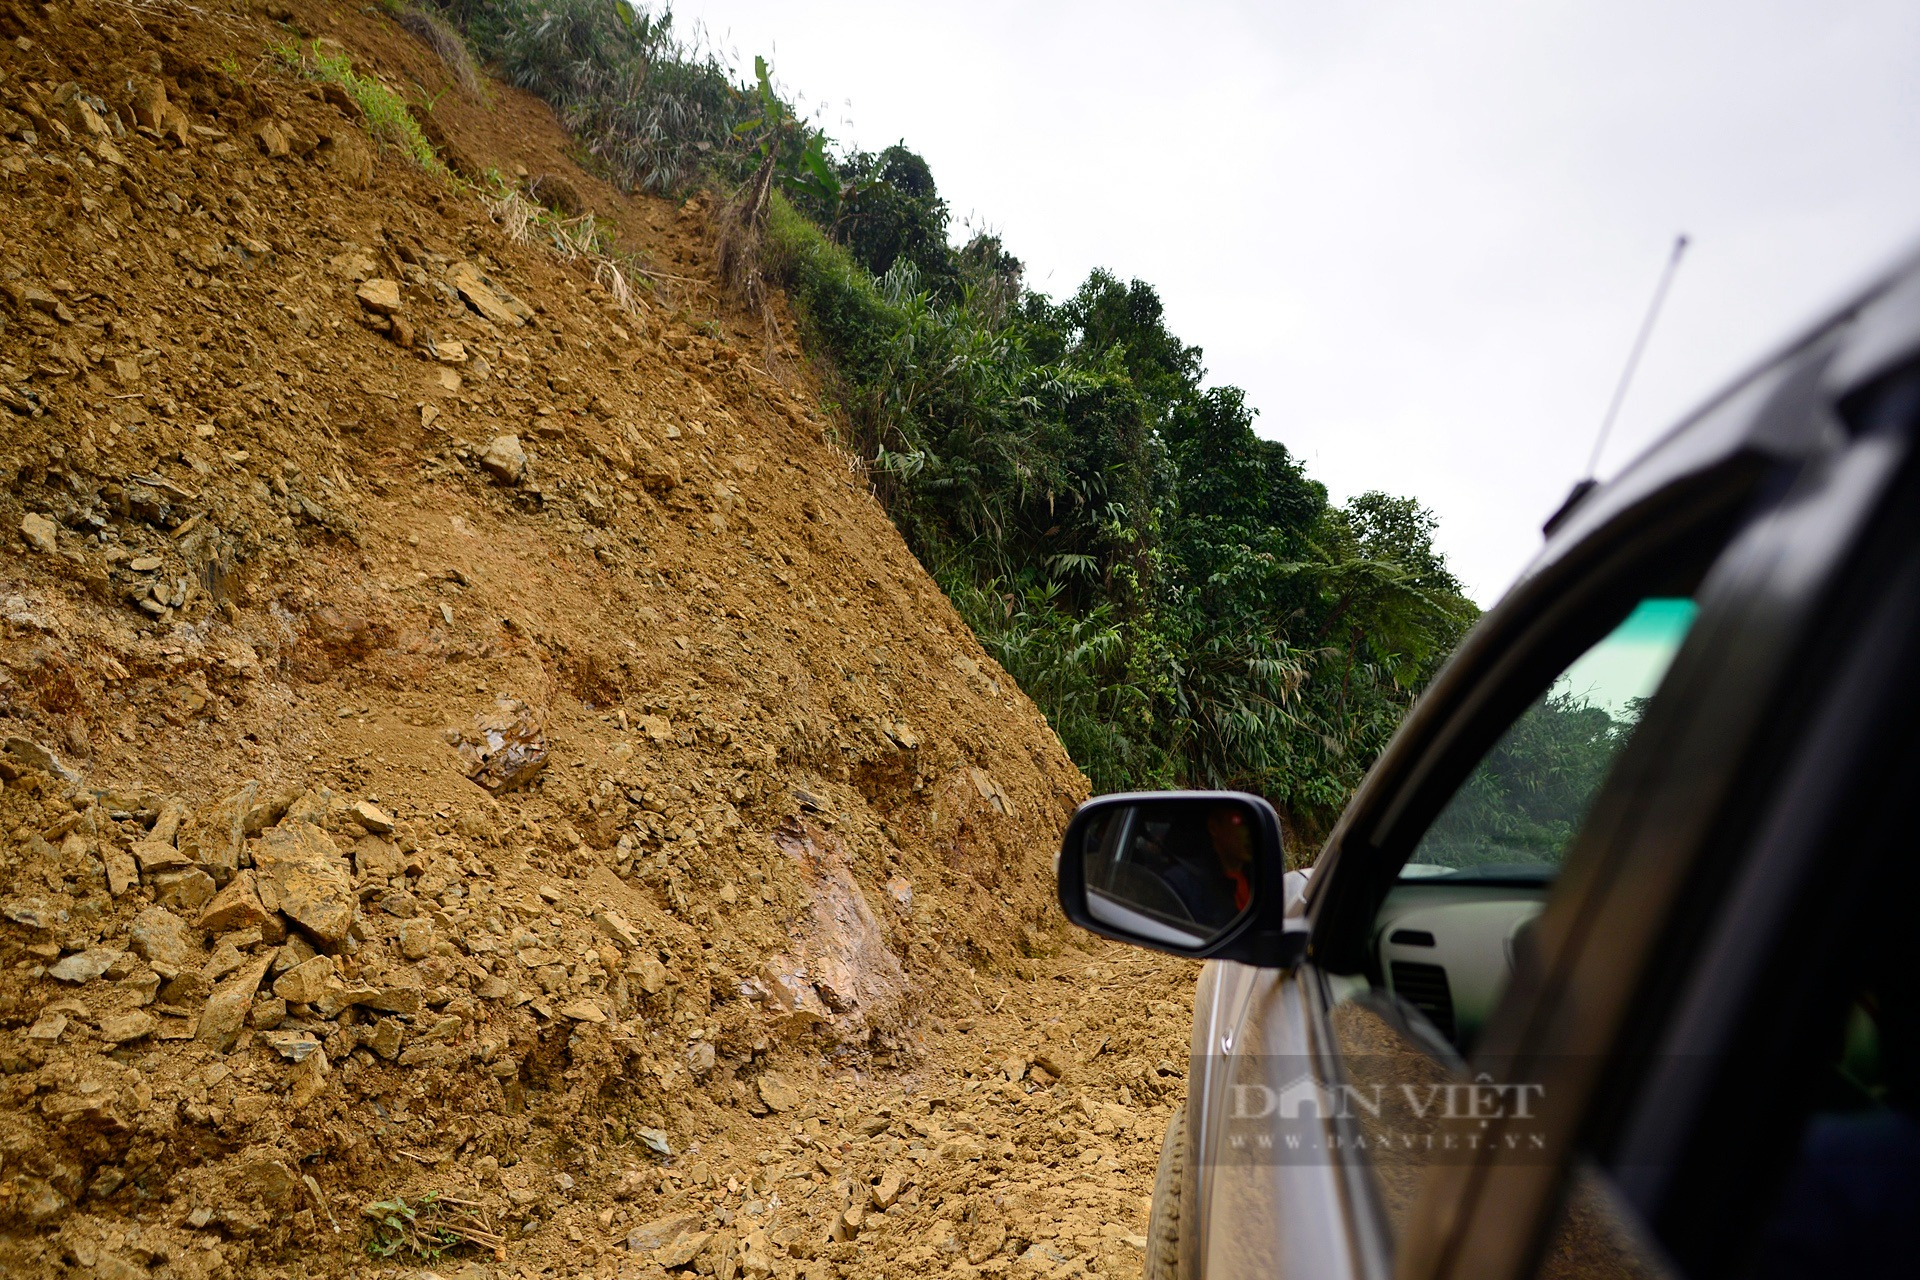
(1411, 937)
(1424, 986)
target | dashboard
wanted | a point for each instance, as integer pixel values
(1447, 948)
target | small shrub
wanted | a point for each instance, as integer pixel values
(428, 1228)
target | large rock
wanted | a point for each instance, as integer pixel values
(226, 1009)
(235, 907)
(217, 838)
(649, 1236)
(121, 1028)
(161, 939)
(304, 983)
(122, 874)
(185, 891)
(302, 875)
(157, 857)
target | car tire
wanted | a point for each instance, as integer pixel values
(1163, 1225)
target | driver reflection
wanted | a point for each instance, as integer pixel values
(1211, 864)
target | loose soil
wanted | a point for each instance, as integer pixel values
(484, 786)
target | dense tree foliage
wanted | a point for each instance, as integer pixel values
(1173, 590)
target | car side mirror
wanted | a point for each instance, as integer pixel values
(1192, 873)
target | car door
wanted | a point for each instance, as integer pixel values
(1736, 911)
(1309, 1144)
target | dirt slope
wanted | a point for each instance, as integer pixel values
(495, 758)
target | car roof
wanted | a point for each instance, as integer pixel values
(1873, 330)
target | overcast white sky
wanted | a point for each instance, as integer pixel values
(1420, 235)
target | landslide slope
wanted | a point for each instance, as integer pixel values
(475, 749)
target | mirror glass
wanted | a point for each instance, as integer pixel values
(1178, 872)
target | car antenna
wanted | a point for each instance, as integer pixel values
(1590, 481)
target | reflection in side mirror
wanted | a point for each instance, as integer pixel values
(1178, 871)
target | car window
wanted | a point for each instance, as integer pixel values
(1519, 809)
(1443, 941)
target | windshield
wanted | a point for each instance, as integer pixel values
(1517, 813)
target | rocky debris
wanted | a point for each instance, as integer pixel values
(632, 931)
(505, 748)
(39, 533)
(505, 460)
(301, 874)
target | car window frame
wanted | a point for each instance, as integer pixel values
(1707, 480)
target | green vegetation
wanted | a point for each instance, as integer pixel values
(423, 1230)
(1177, 595)
(387, 116)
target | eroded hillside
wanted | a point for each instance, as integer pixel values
(474, 749)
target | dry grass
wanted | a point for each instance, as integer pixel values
(741, 252)
(433, 31)
(580, 239)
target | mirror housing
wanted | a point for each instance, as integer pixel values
(1199, 874)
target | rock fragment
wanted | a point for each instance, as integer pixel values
(85, 966)
(683, 1249)
(505, 460)
(651, 1235)
(416, 938)
(159, 856)
(47, 1028)
(124, 1028)
(583, 1011)
(226, 1009)
(372, 817)
(381, 297)
(486, 297)
(307, 1079)
(186, 891)
(386, 1038)
(505, 749)
(777, 1093)
(235, 907)
(298, 866)
(271, 139)
(294, 1046)
(39, 533)
(122, 873)
(305, 983)
(161, 939)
